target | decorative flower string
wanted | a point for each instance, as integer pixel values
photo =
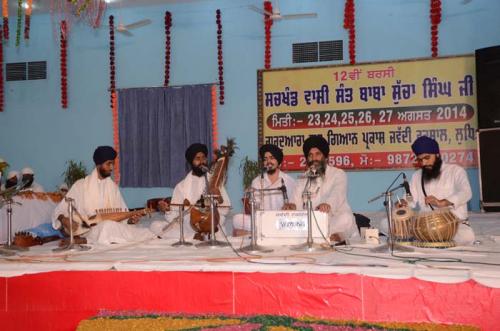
(435, 17)
(64, 68)
(5, 14)
(268, 23)
(112, 82)
(19, 21)
(215, 132)
(116, 136)
(168, 26)
(219, 57)
(27, 19)
(349, 24)
(1, 74)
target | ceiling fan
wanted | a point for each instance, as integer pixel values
(276, 14)
(122, 28)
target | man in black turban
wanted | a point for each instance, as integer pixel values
(104, 159)
(196, 155)
(328, 187)
(277, 184)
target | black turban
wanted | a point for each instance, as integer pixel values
(316, 141)
(275, 151)
(194, 149)
(103, 154)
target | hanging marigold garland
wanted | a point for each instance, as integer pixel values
(63, 63)
(19, 21)
(116, 136)
(435, 17)
(112, 82)
(168, 26)
(219, 57)
(27, 19)
(1, 73)
(268, 23)
(5, 14)
(215, 133)
(349, 24)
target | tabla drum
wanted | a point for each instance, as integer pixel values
(435, 229)
(402, 224)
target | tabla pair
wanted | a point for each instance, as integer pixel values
(424, 229)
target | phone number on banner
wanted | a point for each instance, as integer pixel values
(359, 161)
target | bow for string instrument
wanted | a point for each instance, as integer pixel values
(201, 217)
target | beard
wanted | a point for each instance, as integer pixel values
(320, 166)
(27, 183)
(103, 173)
(197, 171)
(271, 170)
(432, 172)
(10, 183)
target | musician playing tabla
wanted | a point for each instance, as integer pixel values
(191, 188)
(97, 191)
(271, 178)
(440, 185)
(329, 190)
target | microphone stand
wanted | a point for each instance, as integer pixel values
(71, 246)
(391, 245)
(309, 245)
(253, 248)
(181, 241)
(7, 195)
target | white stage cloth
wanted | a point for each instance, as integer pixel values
(452, 265)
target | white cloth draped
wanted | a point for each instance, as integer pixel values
(91, 194)
(267, 200)
(331, 189)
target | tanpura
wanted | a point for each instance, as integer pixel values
(200, 214)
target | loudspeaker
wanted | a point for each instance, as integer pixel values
(489, 172)
(488, 86)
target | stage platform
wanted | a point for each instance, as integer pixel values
(46, 291)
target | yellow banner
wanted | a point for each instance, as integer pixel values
(371, 113)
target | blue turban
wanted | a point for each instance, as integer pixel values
(103, 154)
(425, 145)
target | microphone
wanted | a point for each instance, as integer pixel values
(263, 170)
(204, 169)
(312, 172)
(283, 190)
(407, 188)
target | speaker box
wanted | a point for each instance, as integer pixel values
(489, 159)
(488, 86)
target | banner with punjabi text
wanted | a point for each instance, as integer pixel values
(371, 113)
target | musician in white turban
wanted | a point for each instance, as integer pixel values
(28, 178)
(11, 180)
(190, 190)
(440, 185)
(328, 188)
(277, 184)
(97, 192)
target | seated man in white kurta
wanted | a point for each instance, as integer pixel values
(271, 178)
(440, 185)
(28, 177)
(329, 190)
(191, 188)
(96, 192)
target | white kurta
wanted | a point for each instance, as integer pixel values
(35, 187)
(91, 194)
(268, 200)
(330, 189)
(452, 185)
(191, 188)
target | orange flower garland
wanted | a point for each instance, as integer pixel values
(168, 26)
(268, 23)
(435, 17)
(5, 13)
(1, 76)
(116, 136)
(219, 56)
(214, 118)
(63, 63)
(349, 24)
(27, 19)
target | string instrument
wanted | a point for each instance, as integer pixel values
(201, 217)
(26, 239)
(109, 214)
